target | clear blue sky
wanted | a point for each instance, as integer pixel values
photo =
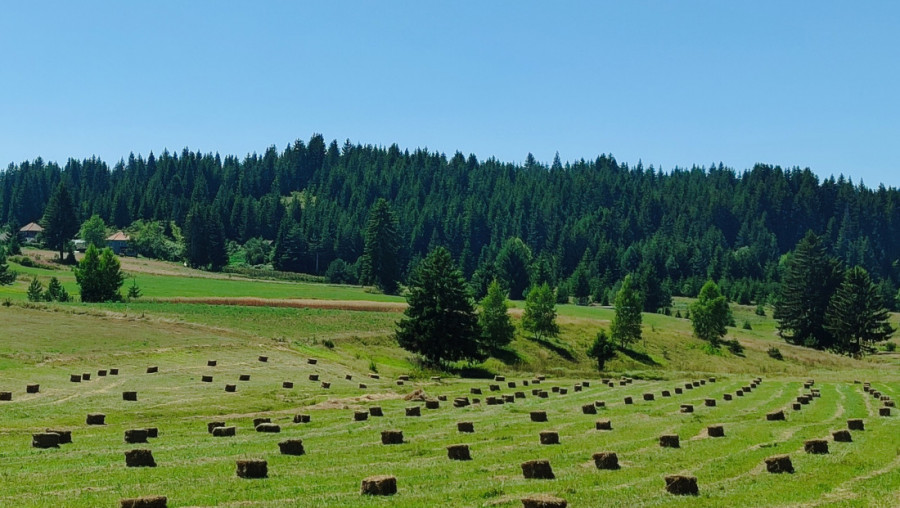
(811, 83)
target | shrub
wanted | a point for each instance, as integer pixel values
(735, 347)
(328, 343)
(775, 353)
(747, 325)
(890, 347)
(760, 310)
(372, 366)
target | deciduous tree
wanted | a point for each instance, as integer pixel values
(626, 323)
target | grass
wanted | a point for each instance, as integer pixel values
(45, 343)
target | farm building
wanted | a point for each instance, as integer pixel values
(30, 231)
(118, 242)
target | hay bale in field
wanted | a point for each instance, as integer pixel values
(476, 401)
(258, 421)
(224, 431)
(669, 441)
(563, 391)
(65, 436)
(535, 391)
(867, 388)
(270, 428)
(230, 388)
(381, 485)
(519, 395)
(586, 384)
(150, 370)
(525, 382)
(458, 452)
(577, 388)
(702, 382)
(535, 381)
(301, 418)
(211, 363)
(803, 399)
(666, 393)
(499, 378)
(362, 386)
(391, 437)
(132, 396)
(796, 406)
(688, 386)
(509, 399)
(681, 485)
(511, 384)
(604, 425)
(206, 379)
(75, 378)
(399, 383)
(687, 408)
(252, 469)
(549, 437)
(884, 411)
(313, 377)
(856, 424)
(432, 404)
(842, 436)
(244, 377)
(291, 447)
(348, 377)
(775, 416)
(96, 419)
(606, 460)
(86, 376)
(493, 401)
(5, 396)
(589, 409)
(726, 396)
(889, 403)
(554, 389)
(417, 395)
(136, 436)
(113, 372)
(541, 378)
(325, 385)
(212, 425)
(374, 376)
(312, 361)
(739, 393)
(45, 440)
(648, 396)
(414, 411)
(359, 416)
(779, 464)
(599, 403)
(538, 416)
(475, 391)
(629, 400)
(537, 469)
(678, 391)
(712, 380)
(465, 427)
(152, 432)
(709, 402)
(461, 402)
(263, 359)
(715, 431)
(376, 411)
(543, 501)
(287, 384)
(144, 502)
(543, 394)
(101, 373)
(139, 458)
(611, 384)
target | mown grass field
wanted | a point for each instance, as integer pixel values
(45, 343)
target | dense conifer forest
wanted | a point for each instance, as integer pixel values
(584, 224)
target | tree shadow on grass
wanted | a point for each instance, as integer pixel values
(638, 356)
(506, 355)
(560, 349)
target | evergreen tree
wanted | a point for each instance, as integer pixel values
(856, 316)
(99, 275)
(380, 263)
(60, 221)
(514, 267)
(710, 314)
(440, 321)
(7, 276)
(655, 294)
(580, 284)
(810, 280)
(291, 250)
(56, 292)
(496, 327)
(602, 349)
(626, 323)
(93, 231)
(35, 290)
(195, 237)
(540, 312)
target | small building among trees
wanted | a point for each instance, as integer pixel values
(29, 233)
(118, 242)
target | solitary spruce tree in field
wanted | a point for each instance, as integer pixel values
(99, 275)
(626, 323)
(60, 222)
(710, 314)
(811, 279)
(540, 312)
(380, 263)
(602, 349)
(496, 327)
(857, 318)
(440, 322)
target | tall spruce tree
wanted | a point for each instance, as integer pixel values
(710, 314)
(514, 267)
(496, 327)
(856, 316)
(380, 263)
(60, 220)
(99, 275)
(626, 322)
(810, 280)
(440, 322)
(7, 276)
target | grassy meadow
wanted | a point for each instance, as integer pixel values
(175, 328)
